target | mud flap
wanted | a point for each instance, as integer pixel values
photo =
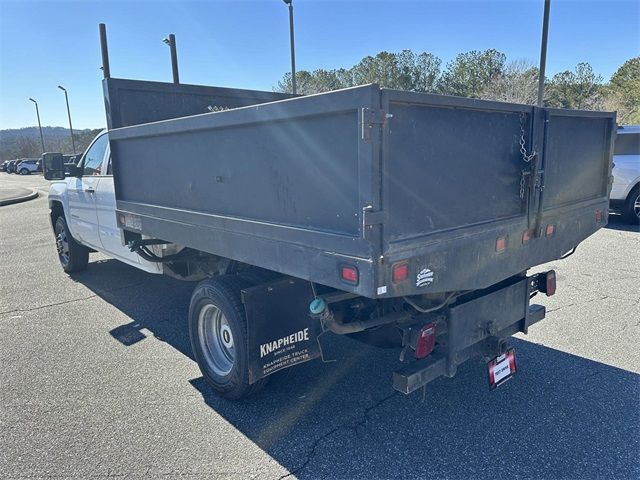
(280, 331)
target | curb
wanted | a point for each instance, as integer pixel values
(10, 201)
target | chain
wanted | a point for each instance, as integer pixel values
(525, 157)
(523, 150)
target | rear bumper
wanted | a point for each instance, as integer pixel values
(479, 326)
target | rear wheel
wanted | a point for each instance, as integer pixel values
(24, 171)
(73, 256)
(218, 333)
(632, 205)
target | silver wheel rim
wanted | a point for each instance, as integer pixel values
(216, 340)
(636, 206)
(62, 245)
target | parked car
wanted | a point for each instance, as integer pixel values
(625, 192)
(3, 166)
(27, 166)
(11, 166)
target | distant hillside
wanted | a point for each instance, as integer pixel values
(25, 142)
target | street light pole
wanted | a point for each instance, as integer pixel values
(293, 47)
(39, 124)
(543, 51)
(66, 97)
(171, 41)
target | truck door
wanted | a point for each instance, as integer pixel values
(81, 193)
(110, 234)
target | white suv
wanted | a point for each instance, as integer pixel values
(26, 167)
(625, 193)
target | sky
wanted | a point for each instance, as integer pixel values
(245, 44)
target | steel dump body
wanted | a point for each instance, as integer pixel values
(363, 177)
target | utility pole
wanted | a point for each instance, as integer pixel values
(293, 47)
(39, 124)
(73, 142)
(171, 41)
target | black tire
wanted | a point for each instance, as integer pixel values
(73, 256)
(214, 297)
(632, 206)
(24, 171)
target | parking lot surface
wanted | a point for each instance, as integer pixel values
(97, 380)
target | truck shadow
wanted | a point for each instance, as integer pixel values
(562, 416)
(616, 222)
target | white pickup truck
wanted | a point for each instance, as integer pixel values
(83, 213)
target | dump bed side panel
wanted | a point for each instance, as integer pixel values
(280, 185)
(253, 171)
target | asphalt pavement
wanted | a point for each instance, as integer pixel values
(97, 380)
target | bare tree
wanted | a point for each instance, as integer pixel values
(27, 148)
(517, 84)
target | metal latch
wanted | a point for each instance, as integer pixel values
(370, 118)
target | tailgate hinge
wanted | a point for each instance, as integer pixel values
(372, 217)
(370, 118)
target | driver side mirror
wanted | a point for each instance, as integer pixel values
(53, 166)
(72, 170)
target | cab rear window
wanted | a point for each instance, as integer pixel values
(627, 144)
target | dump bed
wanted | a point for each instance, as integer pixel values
(465, 192)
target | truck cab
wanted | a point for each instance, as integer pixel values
(83, 215)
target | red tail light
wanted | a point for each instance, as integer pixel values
(550, 230)
(550, 287)
(400, 272)
(426, 340)
(349, 274)
(526, 236)
(501, 244)
(599, 216)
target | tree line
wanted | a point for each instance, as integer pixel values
(25, 142)
(484, 74)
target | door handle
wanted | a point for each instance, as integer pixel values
(89, 190)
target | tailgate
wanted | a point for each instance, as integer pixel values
(465, 205)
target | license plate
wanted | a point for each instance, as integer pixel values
(502, 368)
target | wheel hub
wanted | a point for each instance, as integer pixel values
(227, 338)
(216, 339)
